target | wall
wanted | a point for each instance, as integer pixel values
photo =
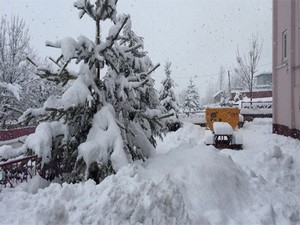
(286, 74)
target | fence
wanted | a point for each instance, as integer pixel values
(19, 170)
(6, 135)
(257, 105)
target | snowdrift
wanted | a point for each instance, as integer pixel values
(186, 182)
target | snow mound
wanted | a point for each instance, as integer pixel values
(124, 198)
(185, 183)
(188, 135)
(33, 185)
(283, 163)
(262, 121)
(128, 197)
(212, 185)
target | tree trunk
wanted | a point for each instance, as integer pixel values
(98, 43)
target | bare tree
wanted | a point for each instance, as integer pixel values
(20, 88)
(14, 48)
(247, 64)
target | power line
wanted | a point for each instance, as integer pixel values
(206, 75)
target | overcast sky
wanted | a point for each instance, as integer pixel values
(197, 36)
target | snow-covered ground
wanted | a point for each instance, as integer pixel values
(186, 182)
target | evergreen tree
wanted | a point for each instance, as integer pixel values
(191, 101)
(168, 99)
(99, 125)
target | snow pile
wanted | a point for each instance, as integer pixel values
(187, 136)
(277, 161)
(272, 161)
(33, 185)
(215, 189)
(186, 182)
(209, 137)
(124, 198)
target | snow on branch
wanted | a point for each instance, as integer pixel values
(62, 76)
(67, 45)
(113, 34)
(30, 114)
(104, 141)
(41, 141)
(143, 77)
(140, 45)
(14, 88)
(103, 48)
(85, 7)
(101, 10)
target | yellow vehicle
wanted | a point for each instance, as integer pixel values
(220, 124)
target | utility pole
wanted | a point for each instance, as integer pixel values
(229, 85)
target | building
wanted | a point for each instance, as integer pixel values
(261, 89)
(219, 96)
(263, 81)
(286, 67)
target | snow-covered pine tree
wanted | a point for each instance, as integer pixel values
(169, 100)
(191, 101)
(99, 125)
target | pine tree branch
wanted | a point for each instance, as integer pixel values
(165, 116)
(56, 61)
(154, 68)
(13, 109)
(64, 67)
(133, 48)
(31, 61)
(111, 39)
(52, 45)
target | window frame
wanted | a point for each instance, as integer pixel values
(284, 46)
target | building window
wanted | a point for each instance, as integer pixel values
(284, 46)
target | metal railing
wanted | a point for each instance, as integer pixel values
(15, 133)
(19, 170)
(257, 105)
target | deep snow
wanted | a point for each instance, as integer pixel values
(186, 182)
